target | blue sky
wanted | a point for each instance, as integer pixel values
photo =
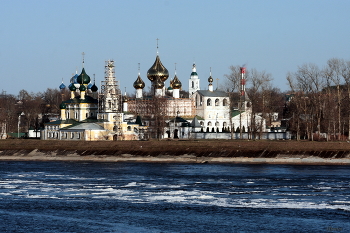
(42, 41)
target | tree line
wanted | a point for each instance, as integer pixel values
(37, 108)
(315, 108)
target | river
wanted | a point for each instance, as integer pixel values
(169, 197)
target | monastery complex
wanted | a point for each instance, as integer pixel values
(103, 113)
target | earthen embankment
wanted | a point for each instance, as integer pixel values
(202, 151)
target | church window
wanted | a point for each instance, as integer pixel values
(209, 123)
(192, 84)
(209, 102)
(129, 128)
(217, 102)
(224, 102)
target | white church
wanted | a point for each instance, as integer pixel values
(103, 113)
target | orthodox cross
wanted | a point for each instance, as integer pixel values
(83, 54)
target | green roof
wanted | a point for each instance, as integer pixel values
(236, 113)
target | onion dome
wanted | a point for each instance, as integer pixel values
(63, 105)
(82, 87)
(139, 84)
(94, 88)
(157, 71)
(74, 79)
(158, 84)
(62, 86)
(83, 77)
(176, 84)
(210, 79)
(72, 87)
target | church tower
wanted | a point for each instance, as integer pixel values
(110, 100)
(193, 81)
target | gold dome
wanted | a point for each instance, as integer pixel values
(176, 84)
(157, 71)
(158, 84)
(139, 84)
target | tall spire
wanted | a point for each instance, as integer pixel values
(157, 47)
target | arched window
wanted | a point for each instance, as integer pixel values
(129, 128)
(209, 102)
(217, 102)
(192, 84)
(209, 123)
(224, 102)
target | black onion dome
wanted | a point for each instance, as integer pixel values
(139, 84)
(157, 71)
(83, 78)
(176, 84)
(94, 88)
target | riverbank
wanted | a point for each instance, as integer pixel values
(201, 151)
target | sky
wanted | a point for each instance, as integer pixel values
(42, 41)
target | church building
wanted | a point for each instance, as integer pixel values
(105, 114)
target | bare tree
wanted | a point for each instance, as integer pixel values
(259, 86)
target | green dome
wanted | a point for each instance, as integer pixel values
(83, 78)
(63, 105)
(72, 87)
(82, 87)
